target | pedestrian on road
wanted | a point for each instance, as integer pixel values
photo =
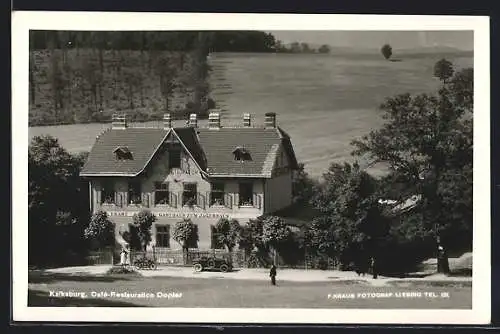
(373, 264)
(272, 274)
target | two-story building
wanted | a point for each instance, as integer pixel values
(200, 173)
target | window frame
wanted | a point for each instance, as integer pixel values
(251, 187)
(166, 191)
(177, 150)
(162, 233)
(131, 183)
(222, 193)
(103, 186)
(184, 201)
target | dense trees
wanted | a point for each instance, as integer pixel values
(242, 41)
(351, 223)
(443, 70)
(87, 76)
(302, 186)
(427, 143)
(58, 203)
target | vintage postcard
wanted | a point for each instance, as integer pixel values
(251, 168)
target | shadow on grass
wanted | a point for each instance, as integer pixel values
(395, 60)
(234, 270)
(38, 298)
(47, 277)
(463, 272)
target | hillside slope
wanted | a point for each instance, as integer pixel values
(89, 85)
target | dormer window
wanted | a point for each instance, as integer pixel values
(122, 153)
(241, 154)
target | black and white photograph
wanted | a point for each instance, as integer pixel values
(243, 168)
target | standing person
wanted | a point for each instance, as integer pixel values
(127, 254)
(123, 257)
(272, 274)
(373, 264)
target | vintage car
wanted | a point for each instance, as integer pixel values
(212, 263)
(145, 263)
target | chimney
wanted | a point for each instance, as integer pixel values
(270, 120)
(214, 120)
(167, 121)
(247, 120)
(193, 122)
(119, 121)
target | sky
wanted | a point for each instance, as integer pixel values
(462, 40)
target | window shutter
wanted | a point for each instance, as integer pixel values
(254, 200)
(207, 197)
(145, 199)
(173, 200)
(228, 199)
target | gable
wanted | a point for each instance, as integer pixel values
(142, 145)
(213, 152)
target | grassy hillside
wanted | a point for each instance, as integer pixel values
(322, 101)
(89, 85)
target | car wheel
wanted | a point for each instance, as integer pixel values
(198, 267)
(152, 266)
(211, 263)
(224, 268)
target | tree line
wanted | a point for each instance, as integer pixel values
(300, 47)
(86, 76)
(213, 41)
(426, 142)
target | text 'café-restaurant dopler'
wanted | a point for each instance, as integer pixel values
(202, 174)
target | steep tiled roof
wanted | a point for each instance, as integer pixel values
(142, 143)
(219, 144)
(212, 149)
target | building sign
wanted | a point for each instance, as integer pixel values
(180, 172)
(171, 214)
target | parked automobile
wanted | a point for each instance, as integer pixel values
(212, 263)
(144, 263)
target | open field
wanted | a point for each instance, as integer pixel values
(322, 101)
(193, 292)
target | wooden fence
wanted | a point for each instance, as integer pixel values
(100, 257)
(177, 257)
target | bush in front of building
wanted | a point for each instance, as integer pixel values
(100, 230)
(228, 232)
(186, 234)
(143, 222)
(123, 270)
(276, 234)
